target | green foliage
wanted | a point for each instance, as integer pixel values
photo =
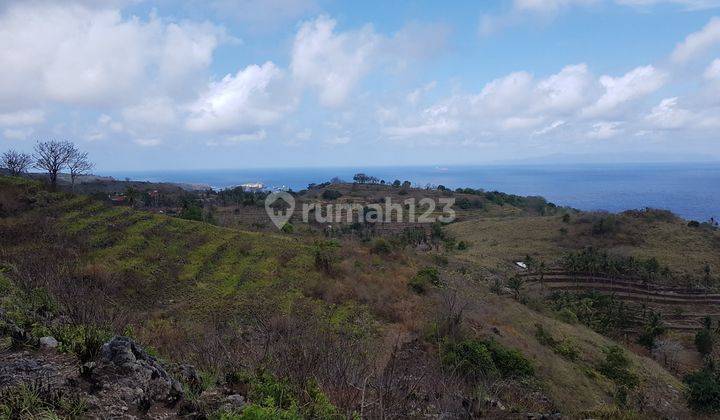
(191, 211)
(424, 279)
(651, 331)
(617, 367)
(563, 347)
(605, 225)
(703, 392)
(326, 255)
(288, 228)
(277, 398)
(704, 341)
(473, 358)
(331, 194)
(516, 283)
(381, 247)
(84, 341)
(603, 313)
(27, 401)
(567, 315)
(462, 246)
(470, 358)
(592, 261)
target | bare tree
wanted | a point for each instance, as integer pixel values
(78, 164)
(16, 162)
(52, 156)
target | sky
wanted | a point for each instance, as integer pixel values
(202, 84)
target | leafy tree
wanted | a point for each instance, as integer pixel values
(16, 162)
(361, 178)
(653, 329)
(52, 156)
(703, 393)
(516, 284)
(704, 339)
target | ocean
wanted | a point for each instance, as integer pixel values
(691, 191)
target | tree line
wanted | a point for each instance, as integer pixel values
(50, 156)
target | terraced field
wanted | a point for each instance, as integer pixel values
(681, 308)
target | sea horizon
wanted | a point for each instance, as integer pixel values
(687, 189)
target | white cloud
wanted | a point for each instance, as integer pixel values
(635, 84)
(604, 130)
(698, 42)
(256, 136)
(547, 6)
(151, 112)
(520, 123)
(23, 117)
(414, 97)
(255, 96)
(566, 90)
(17, 133)
(712, 72)
(551, 127)
(68, 53)
(440, 127)
(148, 142)
(333, 63)
(686, 4)
(667, 115)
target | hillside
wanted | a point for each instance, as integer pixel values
(345, 325)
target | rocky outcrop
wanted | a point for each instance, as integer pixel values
(125, 381)
(136, 377)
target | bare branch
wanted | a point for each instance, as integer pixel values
(16, 162)
(51, 156)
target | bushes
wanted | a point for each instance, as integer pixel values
(424, 279)
(82, 340)
(704, 339)
(703, 393)
(381, 247)
(39, 401)
(325, 253)
(563, 347)
(473, 358)
(616, 367)
(331, 194)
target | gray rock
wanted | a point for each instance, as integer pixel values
(48, 342)
(236, 400)
(139, 376)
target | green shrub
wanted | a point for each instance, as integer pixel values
(331, 194)
(424, 279)
(568, 316)
(473, 358)
(616, 367)
(381, 247)
(287, 228)
(703, 392)
(509, 362)
(470, 358)
(81, 340)
(27, 401)
(462, 246)
(704, 341)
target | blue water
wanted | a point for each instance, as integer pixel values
(692, 191)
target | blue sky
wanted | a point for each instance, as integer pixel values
(233, 84)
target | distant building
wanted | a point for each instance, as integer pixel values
(252, 186)
(117, 198)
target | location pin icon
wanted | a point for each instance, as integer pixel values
(279, 217)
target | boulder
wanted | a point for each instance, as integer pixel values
(48, 342)
(137, 378)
